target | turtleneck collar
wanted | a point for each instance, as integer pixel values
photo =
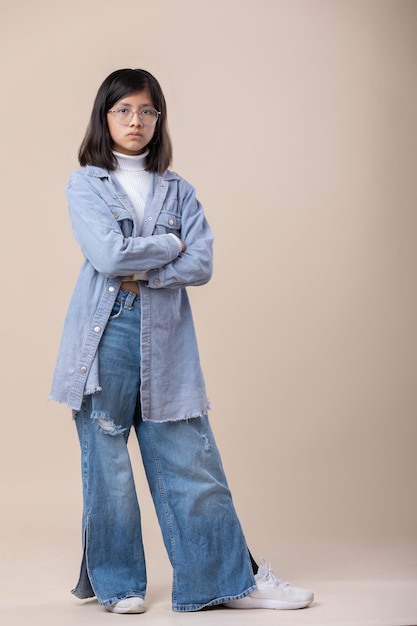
(132, 163)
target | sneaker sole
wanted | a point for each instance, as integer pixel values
(255, 603)
(125, 611)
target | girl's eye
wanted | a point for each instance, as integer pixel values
(146, 112)
(123, 111)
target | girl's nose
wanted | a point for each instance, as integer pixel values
(136, 121)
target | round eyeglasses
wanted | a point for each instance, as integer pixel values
(147, 116)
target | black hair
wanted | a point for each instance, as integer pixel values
(97, 145)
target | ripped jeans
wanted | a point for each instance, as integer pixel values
(200, 528)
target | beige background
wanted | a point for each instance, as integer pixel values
(296, 122)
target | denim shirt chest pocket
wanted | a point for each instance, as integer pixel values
(169, 220)
(121, 215)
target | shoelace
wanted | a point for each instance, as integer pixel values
(269, 576)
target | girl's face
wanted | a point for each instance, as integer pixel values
(131, 139)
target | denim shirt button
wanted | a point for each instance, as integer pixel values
(112, 289)
(156, 281)
(97, 329)
(83, 369)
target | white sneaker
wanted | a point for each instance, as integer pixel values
(134, 604)
(272, 593)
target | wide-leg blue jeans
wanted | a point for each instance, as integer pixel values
(199, 525)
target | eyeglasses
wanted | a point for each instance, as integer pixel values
(147, 116)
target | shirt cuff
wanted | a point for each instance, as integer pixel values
(177, 239)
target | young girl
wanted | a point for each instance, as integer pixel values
(129, 359)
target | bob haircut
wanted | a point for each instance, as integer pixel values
(97, 145)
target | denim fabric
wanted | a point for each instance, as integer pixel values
(199, 525)
(105, 226)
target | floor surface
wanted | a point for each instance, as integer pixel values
(35, 579)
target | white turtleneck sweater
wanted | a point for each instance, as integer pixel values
(134, 179)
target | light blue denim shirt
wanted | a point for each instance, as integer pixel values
(106, 228)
